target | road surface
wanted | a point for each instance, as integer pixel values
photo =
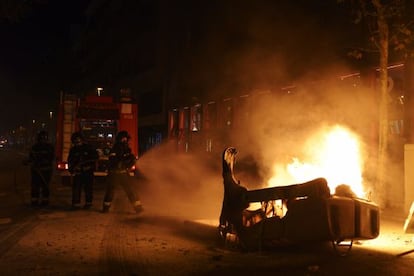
(171, 237)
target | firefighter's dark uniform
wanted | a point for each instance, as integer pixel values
(81, 164)
(41, 159)
(121, 160)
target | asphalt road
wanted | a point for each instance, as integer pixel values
(162, 240)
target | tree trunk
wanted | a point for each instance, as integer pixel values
(383, 30)
(409, 100)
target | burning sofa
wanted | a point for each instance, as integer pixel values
(313, 214)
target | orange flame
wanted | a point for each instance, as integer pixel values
(335, 154)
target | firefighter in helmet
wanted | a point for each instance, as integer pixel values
(81, 164)
(121, 159)
(41, 157)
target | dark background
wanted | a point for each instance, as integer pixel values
(188, 49)
(35, 61)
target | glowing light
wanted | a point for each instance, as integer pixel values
(333, 154)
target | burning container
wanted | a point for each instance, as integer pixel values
(313, 214)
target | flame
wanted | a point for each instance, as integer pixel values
(334, 154)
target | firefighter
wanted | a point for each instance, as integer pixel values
(41, 157)
(81, 164)
(121, 159)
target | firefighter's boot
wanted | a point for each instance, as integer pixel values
(138, 207)
(34, 202)
(75, 206)
(44, 202)
(106, 206)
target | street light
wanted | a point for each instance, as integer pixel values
(99, 90)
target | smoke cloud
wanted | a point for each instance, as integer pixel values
(281, 126)
(181, 184)
(289, 64)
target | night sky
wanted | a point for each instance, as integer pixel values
(36, 59)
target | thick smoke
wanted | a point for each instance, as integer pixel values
(181, 184)
(282, 123)
(279, 128)
(286, 63)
